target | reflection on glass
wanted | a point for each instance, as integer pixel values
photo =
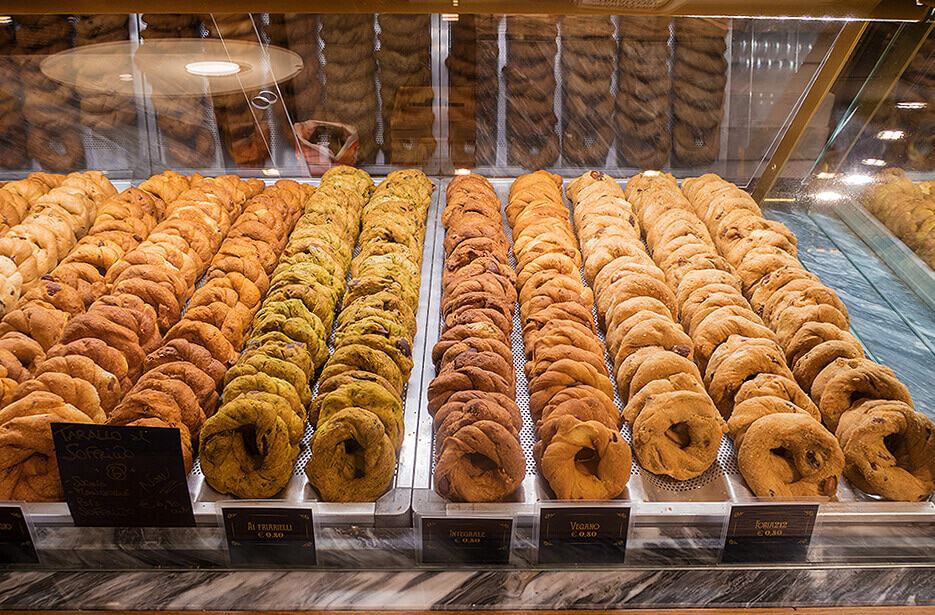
(53, 133)
(699, 74)
(531, 123)
(405, 76)
(300, 34)
(12, 130)
(243, 128)
(643, 84)
(350, 77)
(105, 114)
(186, 138)
(472, 90)
(906, 208)
(588, 50)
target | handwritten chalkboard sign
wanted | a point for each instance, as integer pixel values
(583, 534)
(769, 533)
(269, 536)
(117, 476)
(16, 546)
(466, 540)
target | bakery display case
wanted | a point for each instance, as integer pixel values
(497, 288)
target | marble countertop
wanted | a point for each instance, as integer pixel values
(505, 589)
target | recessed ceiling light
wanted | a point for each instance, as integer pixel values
(873, 162)
(890, 135)
(911, 105)
(825, 175)
(213, 68)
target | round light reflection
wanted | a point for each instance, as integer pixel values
(212, 68)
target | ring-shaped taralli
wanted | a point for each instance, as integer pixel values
(678, 434)
(353, 460)
(889, 450)
(778, 386)
(850, 381)
(790, 455)
(732, 364)
(814, 362)
(750, 410)
(249, 445)
(585, 460)
(659, 366)
(481, 462)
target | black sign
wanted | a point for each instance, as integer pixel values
(269, 536)
(123, 476)
(583, 535)
(466, 540)
(769, 533)
(15, 542)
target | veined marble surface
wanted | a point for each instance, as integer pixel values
(415, 589)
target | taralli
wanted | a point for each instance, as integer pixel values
(481, 462)
(585, 460)
(273, 372)
(790, 455)
(471, 398)
(677, 434)
(362, 383)
(845, 382)
(355, 458)
(889, 450)
(745, 370)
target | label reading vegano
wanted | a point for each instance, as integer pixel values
(583, 534)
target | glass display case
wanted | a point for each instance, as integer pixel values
(187, 250)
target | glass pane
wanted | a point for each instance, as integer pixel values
(625, 93)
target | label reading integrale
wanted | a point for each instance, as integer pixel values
(269, 536)
(769, 533)
(16, 546)
(466, 540)
(115, 476)
(583, 534)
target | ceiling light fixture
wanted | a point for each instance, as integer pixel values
(890, 135)
(212, 68)
(825, 175)
(873, 162)
(911, 105)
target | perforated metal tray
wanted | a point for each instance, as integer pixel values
(393, 509)
(660, 499)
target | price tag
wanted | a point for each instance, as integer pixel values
(16, 546)
(466, 540)
(269, 536)
(583, 534)
(116, 476)
(769, 533)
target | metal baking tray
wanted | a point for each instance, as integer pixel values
(393, 509)
(668, 513)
